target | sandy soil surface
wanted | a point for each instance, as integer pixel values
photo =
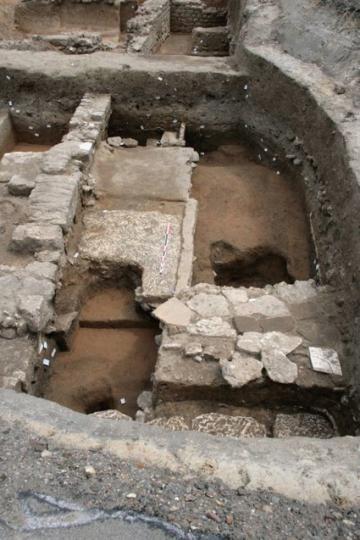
(103, 366)
(27, 147)
(176, 44)
(106, 362)
(248, 206)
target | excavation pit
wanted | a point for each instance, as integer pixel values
(111, 358)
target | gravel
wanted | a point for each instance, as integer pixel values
(198, 508)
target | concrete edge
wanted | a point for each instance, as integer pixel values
(303, 469)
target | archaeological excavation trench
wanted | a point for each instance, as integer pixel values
(179, 237)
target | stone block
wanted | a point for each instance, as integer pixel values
(20, 186)
(55, 199)
(32, 237)
(17, 360)
(36, 312)
(223, 425)
(278, 367)
(241, 369)
(209, 305)
(174, 312)
(302, 425)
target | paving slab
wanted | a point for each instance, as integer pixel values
(135, 239)
(145, 173)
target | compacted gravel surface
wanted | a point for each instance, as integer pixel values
(45, 490)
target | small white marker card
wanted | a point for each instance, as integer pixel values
(325, 360)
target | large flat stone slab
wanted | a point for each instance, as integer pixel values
(136, 239)
(145, 173)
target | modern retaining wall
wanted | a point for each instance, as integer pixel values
(150, 27)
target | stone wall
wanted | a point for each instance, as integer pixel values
(188, 14)
(150, 27)
(210, 41)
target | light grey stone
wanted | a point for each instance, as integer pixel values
(250, 342)
(278, 367)
(31, 237)
(115, 142)
(128, 142)
(20, 186)
(280, 342)
(174, 312)
(17, 359)
(48, 256)
(263, 306)
(145, 400)
(235, 296)
(296, 293)
(223, 425)
(43, 287)
(26, 164)
(214, 327)
(42, 270)
(241, 369)
(36, 312)
(55, 199)
(209, 305)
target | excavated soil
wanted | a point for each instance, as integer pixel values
(176, 44)
(249, 208)
(112, 357)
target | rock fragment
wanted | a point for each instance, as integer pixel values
(278, 367)
(241, 369)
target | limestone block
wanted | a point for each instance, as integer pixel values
(270, 312)
(278, 367)
(250, 342)
(228, 426)
(32, 237)
(213, 327)
(17, 359)
(174, 312)
(302, 425)
(42, 270)
(241, 369)
(36, 311)
(209, 305)
(20, 186)
(235, 296)
(280, 342)
(25, 164)
(55, 199)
